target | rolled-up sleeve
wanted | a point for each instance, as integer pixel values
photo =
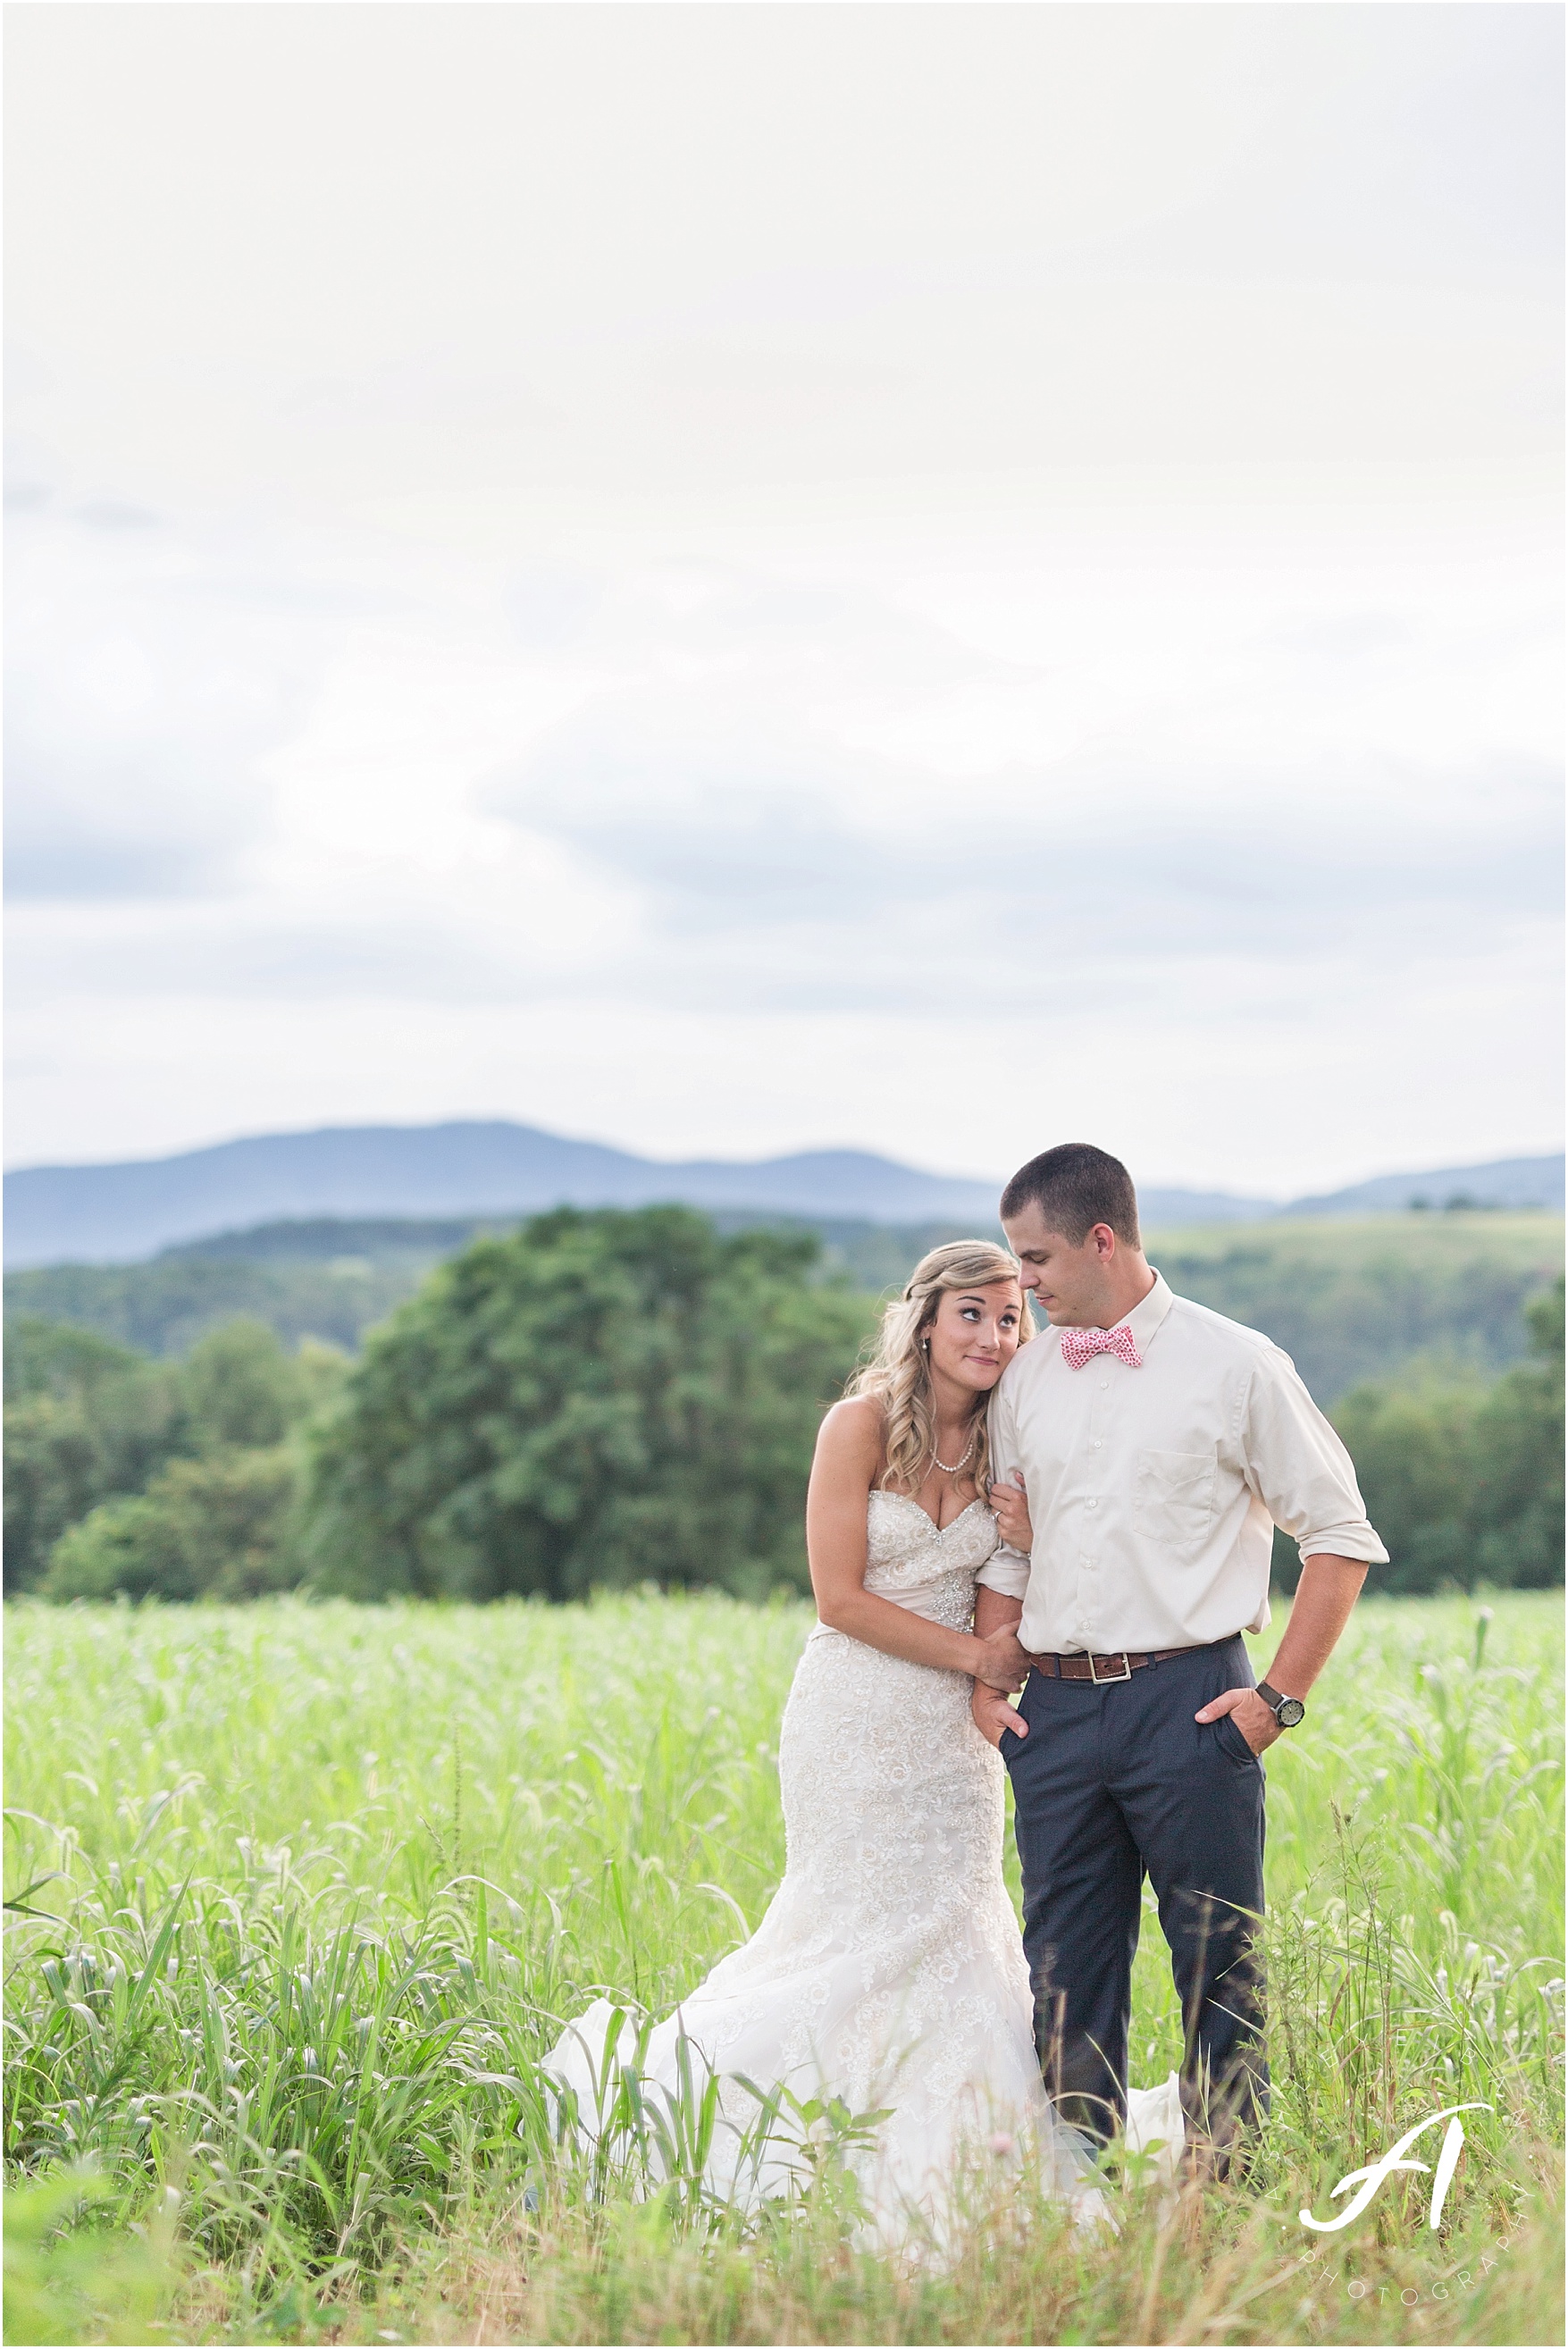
(1301, 1470)
(1005, 1570)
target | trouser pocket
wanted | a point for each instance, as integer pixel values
(1232, 1743)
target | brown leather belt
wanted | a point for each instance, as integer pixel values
(1120, 1665)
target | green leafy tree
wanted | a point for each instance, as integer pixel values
(1412, 1454)
(241, 1386)
(1515, 1502)
(1465, 1483)
(88, 1421)
(49, 1358)
(84, 1419)
(601, 1398)
(217, 1527)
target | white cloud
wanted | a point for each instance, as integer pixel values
(140, 699)
(737, 579)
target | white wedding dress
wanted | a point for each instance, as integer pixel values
(889, 1970)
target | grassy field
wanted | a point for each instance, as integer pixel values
(327, 1876)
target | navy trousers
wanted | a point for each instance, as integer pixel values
(1116, 1781)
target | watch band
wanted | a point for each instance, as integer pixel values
(1286, 1710)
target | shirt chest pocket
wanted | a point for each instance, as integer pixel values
(1173, 1497)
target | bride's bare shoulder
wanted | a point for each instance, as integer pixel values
(849, 1455)
(852, 1430)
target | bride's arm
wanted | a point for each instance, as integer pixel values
(849, 1454)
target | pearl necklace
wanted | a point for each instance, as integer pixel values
(959, 1462)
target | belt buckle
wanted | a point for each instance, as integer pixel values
(1108, 1679)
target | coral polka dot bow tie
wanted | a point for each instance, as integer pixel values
(1080, 1346)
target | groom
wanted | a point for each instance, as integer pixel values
(1159, 1445)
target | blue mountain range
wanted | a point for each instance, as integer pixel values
(122, 1213)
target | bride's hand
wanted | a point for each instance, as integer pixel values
(1004, 1665)
(994, 1712)
(1011, 1506)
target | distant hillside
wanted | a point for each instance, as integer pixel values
(1347, 1299)
(119, 1214)
(469, 1172)
(333, 1279)
(1504, 1182)
(1375, 1296)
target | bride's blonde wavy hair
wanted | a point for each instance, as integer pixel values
(898, 1375)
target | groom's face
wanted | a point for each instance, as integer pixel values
(1070, 1281)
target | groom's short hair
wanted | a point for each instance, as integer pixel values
(1075, 1187)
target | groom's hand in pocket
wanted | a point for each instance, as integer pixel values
(1253, 1716)
(994, 1713)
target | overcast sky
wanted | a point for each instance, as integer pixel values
(732, 578)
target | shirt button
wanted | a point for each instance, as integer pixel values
(1091, 1505)
(1097, 1446)
(1105, 1382)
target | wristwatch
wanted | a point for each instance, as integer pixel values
(1286, 1710)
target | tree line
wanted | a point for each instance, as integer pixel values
(1463, 1479)
(1347, 1301)
(600, 1399)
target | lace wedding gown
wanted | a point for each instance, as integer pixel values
(889, 1970)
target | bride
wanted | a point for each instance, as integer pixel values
(888, 1972)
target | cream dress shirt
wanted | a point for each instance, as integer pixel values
(1154, 1493)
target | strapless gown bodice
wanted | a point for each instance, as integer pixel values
(928, 1569)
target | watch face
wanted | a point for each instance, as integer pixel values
(1291, 1711)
